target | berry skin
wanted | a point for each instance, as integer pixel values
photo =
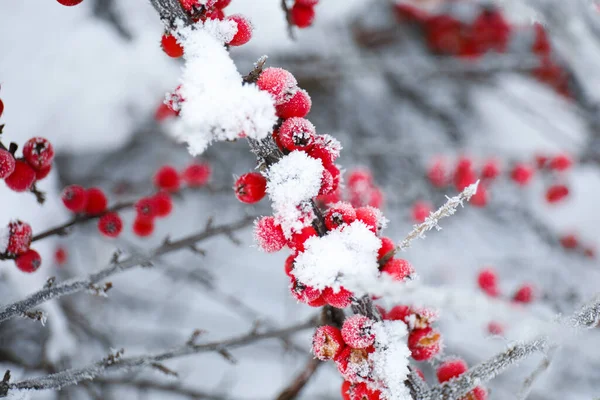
(74, 198)
(196, 175)
(357, 332)
(289, 265)
(42, 173)
(164, 112)
(244, 30)
(398, 268)
(346, 390)
(7, 164)
(556, 193)
(96, 201)
(339, 299)
(22, 177)
(495, 328)
(167, 178)
(327, 183)
(480, 198)
(569, 241)
(524, 294)
(29, 261)
(250, 188)
(269, 235)
(424, 343)
(361, 391)
(143, 227)
(302, 293)
(1, 107)
(297, 134)
(398, 313)
(488, 282)
(359, 179)
(302, 16)
(339, 214)
(146, 207)
(444, 34)
(221, 4)
(561, 162)
(69, 3)
(521, 174)
(297, 241)
(60, 256)
(387, 245)
(110, 225)
(478, 393)
(353, 364)
(163, 204)
(437, 174)
(297, 106)
(464, 174)
(490, 170)
(19, 238)
(421, 211)
(38, 152)
(327, 343)
(370, 216)
(319, 302)
(278, 82)
(307, 3)
(170, 46)
(451, 369)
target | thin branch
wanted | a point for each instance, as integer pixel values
(300, 381)
(163, 387)
(541, 368)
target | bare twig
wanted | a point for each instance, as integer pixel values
(163, 387)
(299, 382)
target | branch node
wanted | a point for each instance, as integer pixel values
(164, 369)
(50, 282)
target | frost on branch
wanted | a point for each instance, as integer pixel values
(292, 181)
(216, 106)
(345, 257)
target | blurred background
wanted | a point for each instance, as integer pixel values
(90, 78)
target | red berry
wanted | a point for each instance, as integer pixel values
(340, 299)
(1, 107)
(521, 174)
(319, 302)
(357, 332)
(541, 161)
(307, 3)
(190, 5)
(488, 282)
(444, 34)
(278, 82)
(29, 261)
(38, 152)
(60, 256)
(110, 225)
(371, 217)
(451, 369)
(398, 269)
(289, 265)
(96, 201)
(19, 237)
(353, 364)
(302, 16)
(167, 178)
(146, 207)
(163, 205)
(556, 193)
(424, 343)
(69, 3)
(163, 112)
(327, 342)
(569, 241)
(7, 164)
(302, 293)
(464, 174)
(74, 197)
(326, 148)
(221, 4)
(399, 313)
(541, 45)
(269, 235)
(480, 198)
(22, 177)
(478, 393)
(524, 294)
(170, 46)
(346, 390)
(297, 241)
(495, 328)
(143, 226)
(491, 31)
(297, 106)
(296, 134)
(250, 188)
(327, 183)
(589, 252)
(421, 211)
(244, 30)
(361, 391)
(561, 162)
(42, 173)
(196, 175)
(490, 170)
(359, 179)
(341, 213)
(437, 174)
(387, 245)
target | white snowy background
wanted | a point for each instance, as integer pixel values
(89, 79)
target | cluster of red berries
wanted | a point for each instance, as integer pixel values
(360, 190)
(69, 3)
(487, 280)
(18, 247)
(449, 34)
(454, 368)
(571, 242)
(302, 13)
(201, 11)
(20, 174)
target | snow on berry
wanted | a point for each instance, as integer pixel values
(74, 198)
(451, 369)
(421, 318)
(294, 179)
(243, 32)
(524, 294)
(341, 298)
(296, 134)
(398, 269)
(196, 175)
(298, 105)
(217, 105)
(110, 225)
(357, 332)
(420, 211)
(163, 204)
(250, 188)
(353, 364)
(303, 293)
(96, 201)
(424, 343)
(302, 16)
(298, 239)
(143, 226)
(327, 342)
(326, 148)
(279, 83)
(338, 214)
(22, 177)
(19, 237)
(167, 178)
(29, 261)
(327, 183)
(343, 258)
(7, 163)
(372, 217)
(269, 235)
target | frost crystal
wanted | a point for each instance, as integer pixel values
(346, 257)
(292, 181)
(4, 235)
(216, 105)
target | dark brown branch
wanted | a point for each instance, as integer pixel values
(299, 382)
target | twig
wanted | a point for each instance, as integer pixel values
(299, 382)
(541, 368)
(150, 384)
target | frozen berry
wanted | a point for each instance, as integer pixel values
(360, 178)
(318, 302)
(521, 174)
(143, 226)
(421, 211)
(74, 197)
(7, 163)
(297, 106)
(69, 3)
(196, 175)
(250, 188)
(289, 265)
(437, 174)
(296, 134)
(327, 183)
(163, 205)
(488, 282)
(19, 237)
(164, 112)
(495, 328)
(569, 241)
(478, 393)
(299, 238)
(22, 177)
(96, 201)
(303, 293)
(341, 213)
(327, 342)
(399, 313)
(278, 82)
(371, 217)
(191, 5)
(221, 4)
(346, 386)
(490, 170)
(42, 173)
(110, 224)
(464, 174)
(340, 299)
(353, 364)
(244, 30)
(307, 3)
(38, 152)
(524, 294)
(146, 207)
(60, 256)
(269, 235)
(170, 46)
(424, 343)
(302, 16)
(326, 148)
(361, 391)
(167, 178)
(398, 268)
(357, 332)
(387, 245)
(556, 193)
(561, 162)
(480, 198)
(29, 261)
(451, 369)
(1, 107)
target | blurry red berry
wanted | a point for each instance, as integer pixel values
(38, 152)
(444, 34)
(244, 30)
(146, 207)
(96, 201)
(487, 279)
(556, 193)
(478, 393)
(110, 224)
(420, 211)
(541, 44)
(569, 241)
(495, 328)
(74, 198)
(424, 343)
(60, 256)
(480, 198)
(302, 16)
(163, 112)
(19, 237)
(167, 178)
(327, 342)
(297, 106)
(170, 46)
(541, 161)
(29, 261)
(490, 170)
(250, 188)
(464, 175)
(269, 235)
(196, 175)
(7, 163)
(451, 369)
(521, 174)
(278, 82)
(22, 177)
(69, 3)
(143, 226)
(561, 162)
(163, 204)
(524, 294)
(437, 174)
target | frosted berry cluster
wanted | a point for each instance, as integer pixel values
(302, 13)
(15, 242)
(359, 190)
(20, 174)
